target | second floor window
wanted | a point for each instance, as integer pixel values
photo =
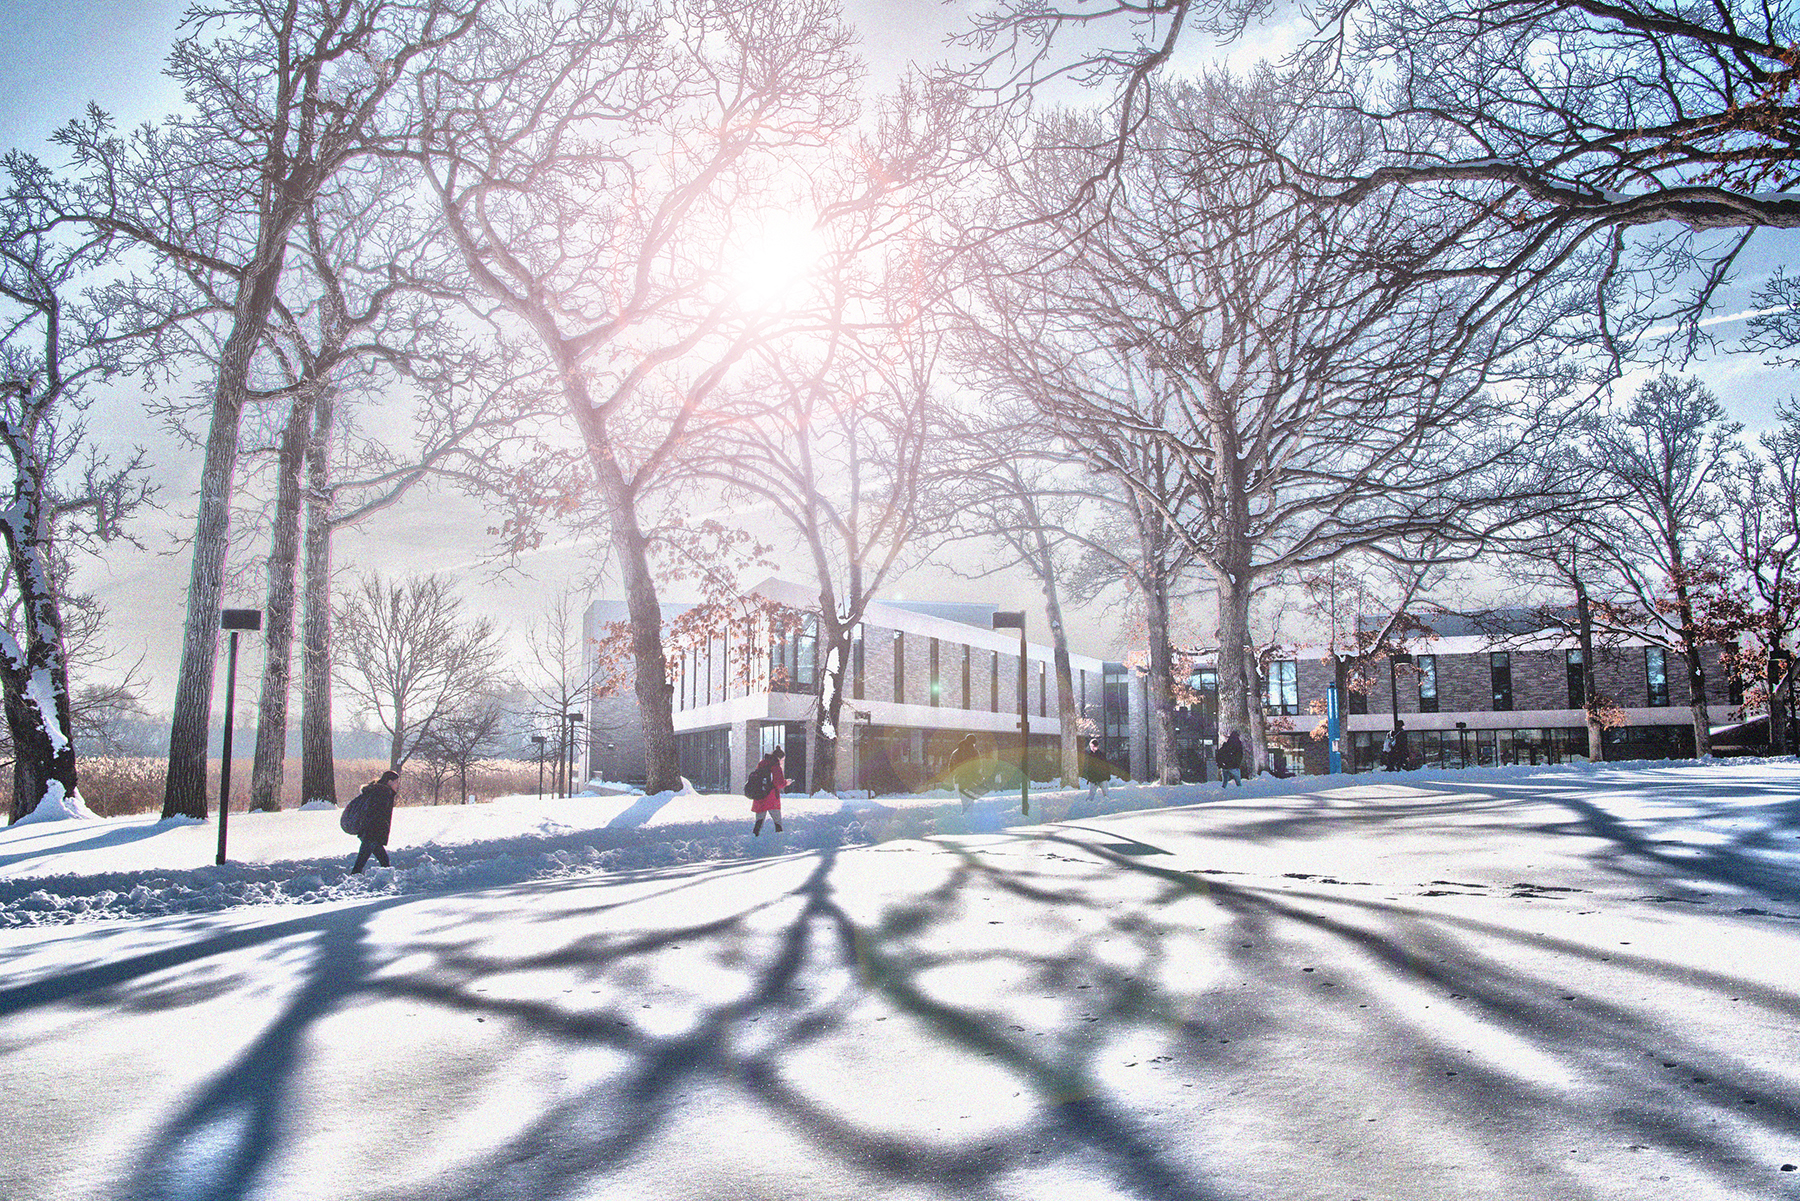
(899, 667)
(1656, 675)
(1284, 686)
(1577, 681)
(1500, 671)
(937, 679)
(1428, 697)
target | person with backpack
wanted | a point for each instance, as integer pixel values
(764, 789)
(1230, 758)
(960, 771)
(1096, 770)
(369, 816)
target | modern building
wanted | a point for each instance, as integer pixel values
(1492, 688)
(1477, 690)
(921, 676)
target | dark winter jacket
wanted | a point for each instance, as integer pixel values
(378, 813)
(1095, 767)
(963, 752)
(1231, 752)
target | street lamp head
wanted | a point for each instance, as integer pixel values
(240, 619)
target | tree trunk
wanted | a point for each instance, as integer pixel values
(278, 622)
(1067, 710)
(655, 696)
(35, 676)
(318, 766)
(828, 734)
(1235, 690)
(1690, 646)
(1160, 684)
(1590, 691)
(1778, 680)
(184, 794)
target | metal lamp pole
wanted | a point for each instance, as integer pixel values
(574, 719)
(1007, 621)
(235, 620)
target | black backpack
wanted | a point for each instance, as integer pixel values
(757, 786)
(351, 819)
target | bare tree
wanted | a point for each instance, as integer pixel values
(1762, 527)
(606, 171)
(54, 344)
(281, 95)
(471, 731)
(1309, 394)
(565, 674)
(1666, 456)
(408, 656)
(1009, 488)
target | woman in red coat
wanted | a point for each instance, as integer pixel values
(770, 801)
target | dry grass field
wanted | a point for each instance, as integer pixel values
(113, 787)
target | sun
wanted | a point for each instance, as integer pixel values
(769, 268)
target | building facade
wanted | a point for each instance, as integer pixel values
(922, 675)
(1478, 690)
(1496, 688)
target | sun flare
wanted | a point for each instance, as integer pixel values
(774, 260)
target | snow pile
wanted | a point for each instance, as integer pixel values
(133, 867)
(59, 806)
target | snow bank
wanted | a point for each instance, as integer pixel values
(58, 806)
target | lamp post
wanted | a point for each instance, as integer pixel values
(539, 740)
(235, 620)
(1007, 621)
(573, 717)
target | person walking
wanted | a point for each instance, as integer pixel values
(769, 768)
(1387, 753)
(1230, 758)
(377, 819)
(960, 769)
(1096, 770)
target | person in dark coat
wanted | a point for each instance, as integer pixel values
(1096, 769)
(1230, 758)
(378, 818)
(960, 771)
(770, 801)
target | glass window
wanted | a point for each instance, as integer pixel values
(937, 679)
(899, 667)
(1428, 698)
(1284, 686)
(1577, 681)
(1043, 689)
(1500, 671)
(1656, 675)
(806, 654)
(994, 685)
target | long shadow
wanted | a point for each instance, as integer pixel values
(1122, 966)
(640, 811)
(117, 836)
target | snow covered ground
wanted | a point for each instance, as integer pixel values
(1524, 982)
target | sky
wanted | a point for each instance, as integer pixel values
(1482, 985)
(57, 56)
